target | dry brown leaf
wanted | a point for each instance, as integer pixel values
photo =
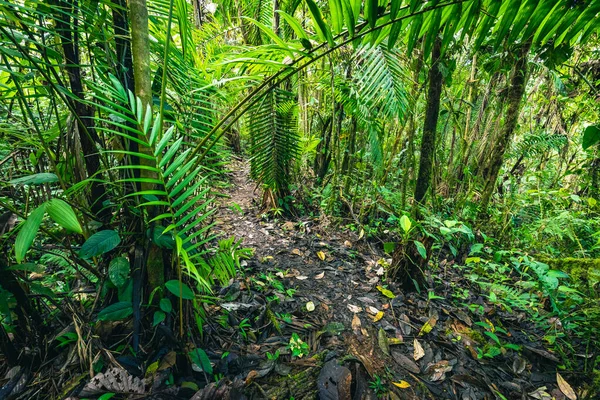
(356, 324)
(301, 277)
(438, 370)
(168, 361)
(321, 255)
(347, 244)
(564, 387)
(320, 276)
(354, 309)
(419, 352)
(297, 252)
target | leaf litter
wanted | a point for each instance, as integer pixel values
(275, 333)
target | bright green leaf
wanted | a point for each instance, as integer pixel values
(63, 214)
(28, 231)
(180, 289)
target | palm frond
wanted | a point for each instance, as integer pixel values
(272, 124)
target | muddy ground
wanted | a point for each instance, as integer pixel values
(365, 337)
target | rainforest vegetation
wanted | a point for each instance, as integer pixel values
(299, 199)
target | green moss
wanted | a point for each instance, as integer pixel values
(580, 269)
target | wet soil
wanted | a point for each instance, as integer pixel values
(365, 338)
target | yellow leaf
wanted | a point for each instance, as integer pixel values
(386, 293)
(321, 255)
(152, 368)
(565, 387)
(428, 326)
(402, 384)
(310, 306)
(378, 316)
(395, 341)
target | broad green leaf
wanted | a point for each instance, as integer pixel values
(200, 358)
(405, 223)
(116, 312)
(165, 305)
(371, 12)
(28, 267)
(118, 271)
(180, 289)
(591, 136)
(35, 179)
(100, 243)
(28, 231)
(159, 317)
(63, 214)
(421, 249)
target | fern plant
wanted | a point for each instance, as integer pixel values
(272, 125)
(177, 189)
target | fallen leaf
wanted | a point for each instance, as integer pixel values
(347, 244)
(356, 324)
(321, 255)
(320, 276)
(378, 316)
(387, 293)
(361, 234)
(354, 309)
(301, 277)
(372, 310)
(380, 271)
(428, 326)
(540, 394)
(310, 306)
(168, 361)
(438, 370)
(395, 341)
(383, 342)
(297, 252)
(401, 384)
(419, 352)
(279, 274)
(565, 387)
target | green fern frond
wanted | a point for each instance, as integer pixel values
(272, 124)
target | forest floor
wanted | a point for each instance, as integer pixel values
(312, 315)
(364, 338)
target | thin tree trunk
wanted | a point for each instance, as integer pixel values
(516, 89)
(429, 127)
(68, 32)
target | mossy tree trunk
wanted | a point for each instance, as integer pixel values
(516, 89)
(432, 112)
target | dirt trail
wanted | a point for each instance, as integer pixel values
(357, 334)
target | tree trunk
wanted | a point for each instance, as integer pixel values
(429, 127)
(67, 29)
(517, 85)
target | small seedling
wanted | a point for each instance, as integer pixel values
(297, 346)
